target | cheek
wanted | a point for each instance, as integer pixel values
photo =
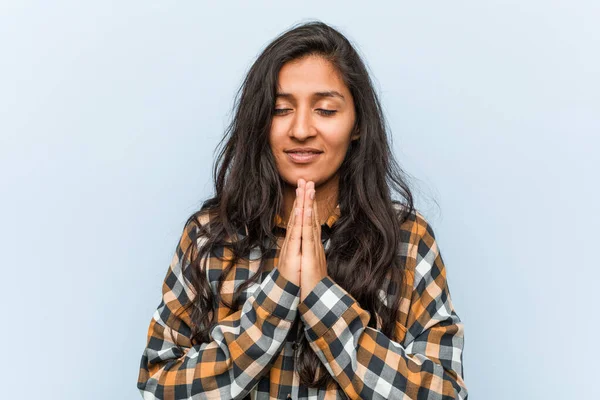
(336, 134)
(276, 145)
(338, 144)
(276, 135)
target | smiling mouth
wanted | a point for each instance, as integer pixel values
(302, 157)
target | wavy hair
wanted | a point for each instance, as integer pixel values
(362, 255)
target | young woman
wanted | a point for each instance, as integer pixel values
(303, 278)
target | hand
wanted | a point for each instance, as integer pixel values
(313, 264)
(302, 257)
(290, 256)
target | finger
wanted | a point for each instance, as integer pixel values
(317, 220)
(290, 222)
(308, 224)
(296, 232)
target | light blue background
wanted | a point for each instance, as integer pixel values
(110, 112)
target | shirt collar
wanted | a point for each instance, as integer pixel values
(334, 216)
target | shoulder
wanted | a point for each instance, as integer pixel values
(414, 226)
(418, 247)
(196, 229)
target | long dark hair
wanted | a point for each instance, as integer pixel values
(249, 194)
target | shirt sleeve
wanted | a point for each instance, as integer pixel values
(244, 344)
(369, 365)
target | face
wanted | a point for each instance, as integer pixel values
(313, 121)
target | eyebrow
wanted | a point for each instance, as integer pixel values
(328, 93)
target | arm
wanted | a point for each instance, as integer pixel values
(243, 346)
(369, 365)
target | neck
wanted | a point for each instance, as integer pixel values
(326, 195)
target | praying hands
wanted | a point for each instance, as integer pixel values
(302, 258)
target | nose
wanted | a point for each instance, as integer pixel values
(302, 127)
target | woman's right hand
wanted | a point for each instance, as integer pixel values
(290, 255)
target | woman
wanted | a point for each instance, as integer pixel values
(302, 278)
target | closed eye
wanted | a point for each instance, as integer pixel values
(326, 112)
(322, 111)
(279, 111)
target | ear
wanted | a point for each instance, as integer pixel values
(355, 134)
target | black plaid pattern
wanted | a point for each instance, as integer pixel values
(250, 355)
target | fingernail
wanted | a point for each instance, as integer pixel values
(308, 212)
(297, 211)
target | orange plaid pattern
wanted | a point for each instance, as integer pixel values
(251, 352)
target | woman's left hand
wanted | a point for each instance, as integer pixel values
(313, 265)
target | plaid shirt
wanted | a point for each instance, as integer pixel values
(251, 352)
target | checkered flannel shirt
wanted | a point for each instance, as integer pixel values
(251, 352)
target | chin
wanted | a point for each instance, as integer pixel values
(292, 179)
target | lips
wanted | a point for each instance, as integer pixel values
(303, 150)
(303, 157)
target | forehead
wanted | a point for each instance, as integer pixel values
(311, 75)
